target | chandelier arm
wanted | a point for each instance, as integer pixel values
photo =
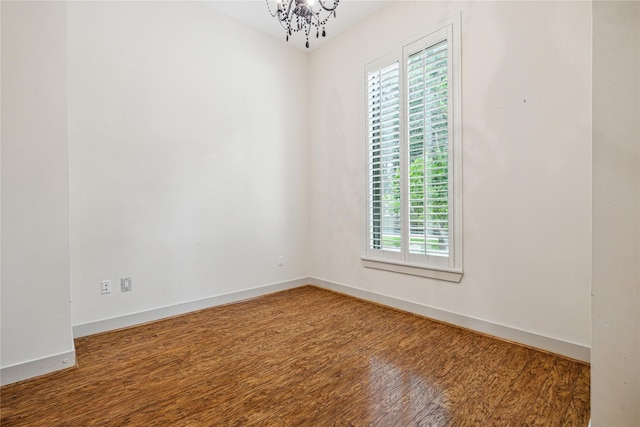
(329, 9)
(280, 13)
(289, 6)
(273, 15)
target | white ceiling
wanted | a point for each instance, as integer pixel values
(255, 14)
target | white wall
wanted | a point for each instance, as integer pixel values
(171, 105)
(527, 165)
(36, 313)
(188, 151)
(615, 368)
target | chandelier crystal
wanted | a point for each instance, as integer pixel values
(304, 15)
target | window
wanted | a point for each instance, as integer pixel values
(414, 157)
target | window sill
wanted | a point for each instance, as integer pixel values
(449, 275)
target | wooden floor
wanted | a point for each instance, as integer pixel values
(303, 357)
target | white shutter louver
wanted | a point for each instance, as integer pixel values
(428, 146)
(383, 90)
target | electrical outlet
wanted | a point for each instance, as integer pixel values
(280, 261)
(105, 287)
(125, 284)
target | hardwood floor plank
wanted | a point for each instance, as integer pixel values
(481, 403)
(376, 394)
(302, 357)
(471, 375)
(524, 390)
(416, 407)
(579, 408)
(554, 396)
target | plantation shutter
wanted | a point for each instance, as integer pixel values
(428, 148)
(414, 157)
(383, 100)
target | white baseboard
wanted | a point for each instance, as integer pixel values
(35, 368)
(182, 308)
(574, 351)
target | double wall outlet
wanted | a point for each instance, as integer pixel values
(125, 284)
(105, 287)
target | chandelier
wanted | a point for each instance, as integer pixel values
(304, 15)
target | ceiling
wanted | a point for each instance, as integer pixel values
(255, 14)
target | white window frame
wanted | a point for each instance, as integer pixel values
(449, 267)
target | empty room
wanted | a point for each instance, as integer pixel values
(319, 212)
